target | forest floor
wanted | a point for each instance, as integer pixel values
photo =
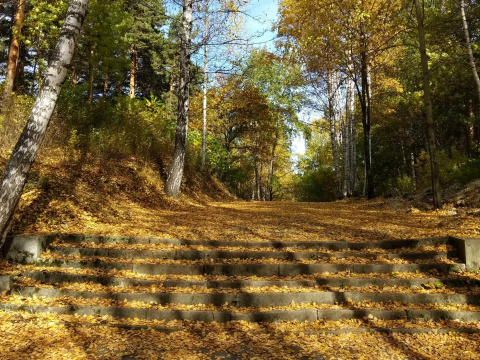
(98, 201)
(348, 220)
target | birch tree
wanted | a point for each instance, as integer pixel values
(469, 47)
(205, 86)
(351, 164)
(230, 9)
(347, 36)
(28, 145)
(332, 118)
(175, 173)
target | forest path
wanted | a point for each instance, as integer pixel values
(348, 220)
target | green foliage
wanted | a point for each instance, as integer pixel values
(316, 185)
(450, 165)
(120, 127)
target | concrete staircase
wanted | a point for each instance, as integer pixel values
(165, 279)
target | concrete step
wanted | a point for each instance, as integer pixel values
(326, 245)
(254, 299)
(212, 254)
(283, 269)
(58, 277)
(252, 316)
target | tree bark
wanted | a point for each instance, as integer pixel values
(91, 75)
(271, 168)
(350, 117)
(13, 52)
(105, 85)
(258, 191)
(25, 152)
(432, 147)
(22, 63)
(205, 90)
(469, 47)
(333, 131)
(366, 121)
(133, 70)
(175, 175)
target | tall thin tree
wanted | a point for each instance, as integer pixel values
(427, 98)
(469, 47)
(26, 150)
(175, 174)
(205, 88)
(332, 88)
(14, 50)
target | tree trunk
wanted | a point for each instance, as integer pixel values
(105, 85)
(119, 87)
(333, 131)
(175, 175)
(469, 47)
(261, 189)
(13, 52)
(39, 68)
(258, 192)
(350, 116)
(432, 147)
(272, 168)
(133, 70)
(346, 156)
(366, 121)
(414, 175)
(205, 89)
(25, 152)
(22, 63)
(91, 76)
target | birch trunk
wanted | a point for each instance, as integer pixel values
(350, 117)
(346, 153)
(258, 192)
(333, 131)
(133, 70)
(25, 152)
(432, 147)
(14, 50)
(175, 175)
(469, 47)
(271, 168)
(205, 89)
(366, 121)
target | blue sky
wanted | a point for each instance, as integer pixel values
(267, 13)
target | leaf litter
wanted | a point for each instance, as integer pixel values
(67, 337)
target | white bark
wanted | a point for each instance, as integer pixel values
(346, 156)
(205, 89)
(333, 130)
(25, 152)
(469, 47)
(175, 175)
(133, 70)
(350, 118)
